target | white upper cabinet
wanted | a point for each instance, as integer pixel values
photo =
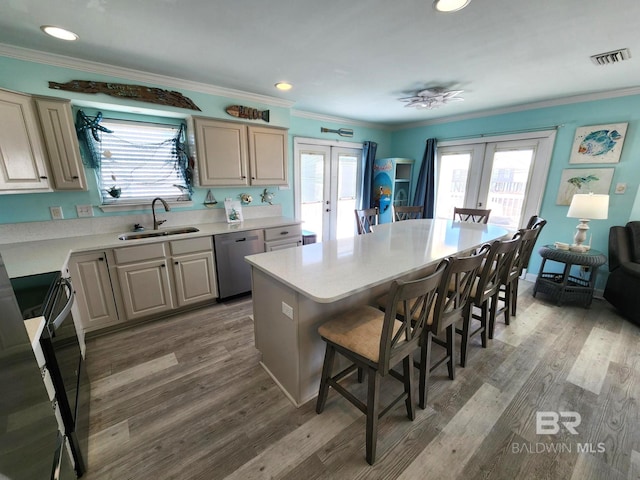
(232, 153)
(61, 141)
(268, 155)
(22, 157)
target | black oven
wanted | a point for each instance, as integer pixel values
(63, 358)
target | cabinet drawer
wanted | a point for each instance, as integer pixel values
(282, 232)
(191, 245)
(139, 252)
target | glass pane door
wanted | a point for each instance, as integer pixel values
(328, 190)
(312, 190)
(507, 177)
(505, 191)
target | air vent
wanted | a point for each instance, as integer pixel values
(611, 57)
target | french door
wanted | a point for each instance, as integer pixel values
(327, 186)
(506, 175)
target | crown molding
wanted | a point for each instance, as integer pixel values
(329, 118)
(63, 61)
(588, 97)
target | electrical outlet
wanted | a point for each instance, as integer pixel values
(56, 213)
(287, 310)
(84, 210)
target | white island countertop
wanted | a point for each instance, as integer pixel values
(42, 256)
(330, 271)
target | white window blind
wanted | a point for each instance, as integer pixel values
(139, 160)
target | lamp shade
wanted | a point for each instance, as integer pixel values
(589, 205)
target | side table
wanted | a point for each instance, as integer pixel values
(565, 286)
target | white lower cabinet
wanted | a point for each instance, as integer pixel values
(279, 238)
(145, 288)
(193, 270)
(159, 277)
(92, 284)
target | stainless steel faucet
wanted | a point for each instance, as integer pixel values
(157, 223)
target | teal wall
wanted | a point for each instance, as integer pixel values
(31, 77)
(410, 142)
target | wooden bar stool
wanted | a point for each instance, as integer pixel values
(375, 342)
(365, 219)
(484, 294)
(476, 215)
(407, 213)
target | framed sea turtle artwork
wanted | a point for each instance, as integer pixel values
(598, 143)
(583, 180)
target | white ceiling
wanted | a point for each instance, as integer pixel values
(352, 59)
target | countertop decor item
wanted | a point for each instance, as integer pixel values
(210, 200)
(132, 92)
(241, 111)
(233, 210)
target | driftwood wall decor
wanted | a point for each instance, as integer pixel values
(134, 92)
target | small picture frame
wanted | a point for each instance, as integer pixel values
(598, 143)
(233, 210)
(583, 180)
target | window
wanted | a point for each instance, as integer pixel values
(139, 162)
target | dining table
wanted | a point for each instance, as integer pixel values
(295, 290)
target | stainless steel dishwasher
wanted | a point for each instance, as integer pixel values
(234, 274)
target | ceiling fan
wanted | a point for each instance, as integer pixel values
(432, 98)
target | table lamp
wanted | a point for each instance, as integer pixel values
(587, 206)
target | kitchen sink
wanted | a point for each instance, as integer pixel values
(157, 233)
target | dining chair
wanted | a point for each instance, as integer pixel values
(404, 212)
(375, 342)
(499, 259)
(457, 283)
(475, 215)
(365, 219)
(509, 285)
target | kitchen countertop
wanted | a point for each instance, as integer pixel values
(42, 256)
(330, 271)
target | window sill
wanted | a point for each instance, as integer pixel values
(132, 207)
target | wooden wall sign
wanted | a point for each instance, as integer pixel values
(134, 92)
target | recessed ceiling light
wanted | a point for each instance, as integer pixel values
(58, 32)
(284, 86)
(450, 5)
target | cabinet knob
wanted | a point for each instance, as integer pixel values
(43, 178)
(75, 177)
(163, 265)
(176, 263)
(284, 233)
(101, 259)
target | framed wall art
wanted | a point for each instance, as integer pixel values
(598, 143)
(233, 210)
(583, 180)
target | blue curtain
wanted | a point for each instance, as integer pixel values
(425, 188)
(368, 157)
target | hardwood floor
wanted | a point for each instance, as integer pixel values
(185, 398)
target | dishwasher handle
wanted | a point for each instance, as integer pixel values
(243, 239)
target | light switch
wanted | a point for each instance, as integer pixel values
(84, 210)
(56, 213)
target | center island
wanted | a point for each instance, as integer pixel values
(295, 290)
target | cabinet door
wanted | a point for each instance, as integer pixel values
(22, 160)
(92, 284)
(195, 278)
(268, 155)
(145, 288)
(62, 144)
(222, 152)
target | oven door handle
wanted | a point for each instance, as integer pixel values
(67, 307)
